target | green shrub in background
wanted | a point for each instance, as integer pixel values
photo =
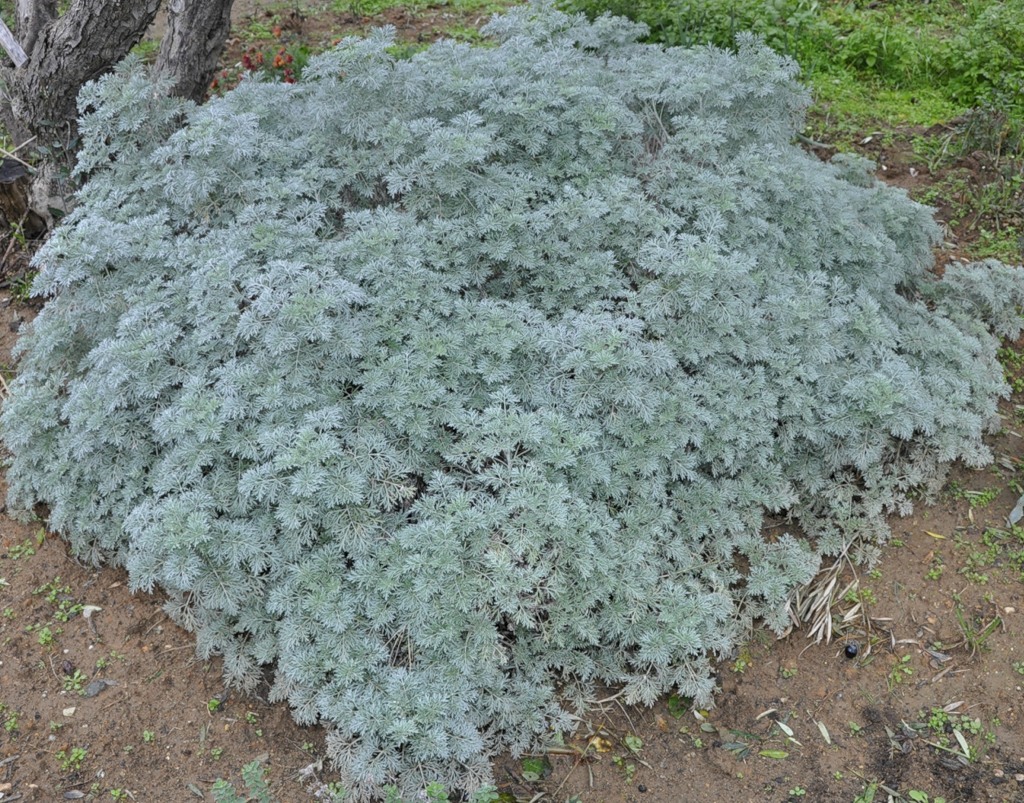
(456, 385)
(970, 54)
(785, 25)
(985, 62)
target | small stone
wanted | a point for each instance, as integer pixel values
(69, 712)
(96, 687)
(1009, 609)
(1019, 776)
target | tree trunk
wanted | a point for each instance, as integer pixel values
(14, 205)
(38, 101)
(67, 51)
(190, 51)
(30, 17)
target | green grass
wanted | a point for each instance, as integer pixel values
(861, 104)
(999, 550)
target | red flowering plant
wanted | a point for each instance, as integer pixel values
(281, 63)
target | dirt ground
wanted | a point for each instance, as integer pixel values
(102, 697)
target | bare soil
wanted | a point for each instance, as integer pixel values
(939, 632)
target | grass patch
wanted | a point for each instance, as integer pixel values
(858, 105)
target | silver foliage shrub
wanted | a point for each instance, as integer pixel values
(456, 385)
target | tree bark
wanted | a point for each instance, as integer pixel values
(14, 206)
(30, 17)
(39, 100)
(67, 51)
(190, 51)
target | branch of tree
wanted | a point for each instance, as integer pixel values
(30, 17)
(10, 44)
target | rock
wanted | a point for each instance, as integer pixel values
(96, 687)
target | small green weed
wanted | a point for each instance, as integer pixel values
(743, 662)
(1000, 550)
(938, 719)
(677, 706)
(104, 661)
(252, 719)
(21, 287)
(983, 498)
(60, 597)
(975, 499)
(900, 671)
(255, 785)
(45, 635)
(26, 549)
(71, 760)
(950, 733)
(918, 796)
(975, 631)
(866, 596)
(535, 768)
(634, 745)
(75, 681)
(10, 717)
(870, 794)
(627, 767)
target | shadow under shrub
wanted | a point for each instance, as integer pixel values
(453, 386)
